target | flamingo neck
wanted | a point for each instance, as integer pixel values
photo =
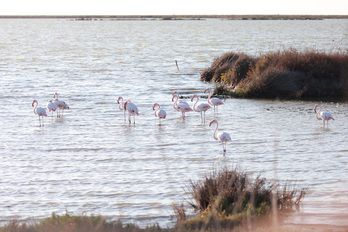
(216, 128)
(195, 105)
(121, 106)
(154, 107)
(35, 107)
(175, 103)
(210, 94)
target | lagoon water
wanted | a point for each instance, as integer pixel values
(92, 161)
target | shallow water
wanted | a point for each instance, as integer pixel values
(91, 160)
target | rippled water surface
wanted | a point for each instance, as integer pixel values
(91, 160)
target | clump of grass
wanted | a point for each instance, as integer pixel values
(287, 74)
(79, 223)
(226, 198)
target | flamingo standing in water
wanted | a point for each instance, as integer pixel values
(182, 106)
(321, 115)
(51, 106)
(213, 101)
(201, 107)
(222, 137)
(159, 113)
(61, 105)
(41, 112)
(122, 106)
(132, 110)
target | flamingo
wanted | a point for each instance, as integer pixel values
(132, 110)
(201, 107)
(213, 101)
(122, 106)
(222, 137)
(61, 105)
(159, 113)
(182, 106)
(321, 115)
(51, 106)
(41, 112)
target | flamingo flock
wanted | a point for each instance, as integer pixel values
(52, 106)
(57, 105)
(182, 107)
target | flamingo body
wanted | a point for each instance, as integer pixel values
(132, 110)
(182, 106)
(200, 107)
(321, 115)
(222, 137)
(213, 101)
(61, 104)
(51, 106)
(159, 113)
(41, 112)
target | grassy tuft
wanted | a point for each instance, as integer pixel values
(227, 198)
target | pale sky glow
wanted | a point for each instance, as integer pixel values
(173, 7)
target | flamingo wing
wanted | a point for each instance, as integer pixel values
(41, 111)
(202, 107)
(223, 137)
(216, 101)
(184, 107)
(161, 114)
(326, 116)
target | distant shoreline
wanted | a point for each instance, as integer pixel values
(177, 17)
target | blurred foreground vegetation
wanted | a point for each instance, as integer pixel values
(225, 200)
(289, 74)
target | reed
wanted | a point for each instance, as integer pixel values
(288, 74)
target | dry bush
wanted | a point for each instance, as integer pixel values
(228, 197)
(213, 73)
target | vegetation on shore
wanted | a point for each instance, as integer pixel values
(289, 74)
(225, 201)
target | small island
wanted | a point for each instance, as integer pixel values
(288, 74)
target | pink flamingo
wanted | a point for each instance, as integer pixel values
(324, 116)
(51, 106)
(222, 137)
(122, 106)
(213, 101)
(132, 110)
(182, 106)
(61, 105)
(159, 113)
(201, 107)
(41, 112)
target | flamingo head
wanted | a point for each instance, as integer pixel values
(315, 108)
(193, 97)
(175, 93)
(33, 103)
(207, 90)
(118, 100)
(154, 106)
(55, 95)
(214, 121)
(174, 96)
